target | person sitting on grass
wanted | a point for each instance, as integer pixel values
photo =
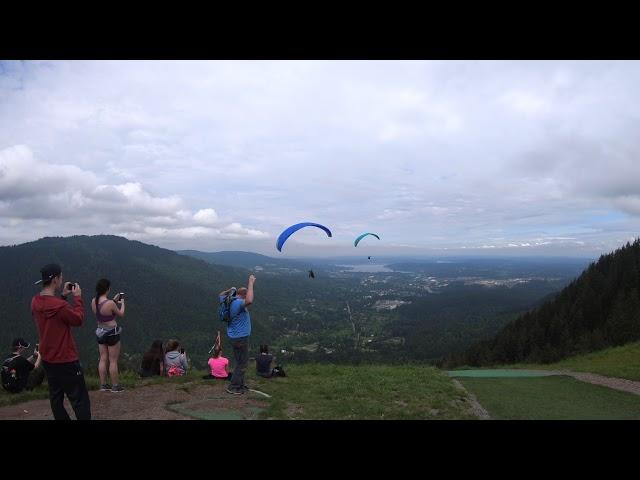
(19, 373)
(264, 362)
(219, 366)
(175, 360)
(153, 361)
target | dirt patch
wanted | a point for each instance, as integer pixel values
(294, 411)
(153, 402)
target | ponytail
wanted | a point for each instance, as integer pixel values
(102, 287)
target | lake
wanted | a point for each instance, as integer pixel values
(366, 268)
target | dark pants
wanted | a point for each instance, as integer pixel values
(67, 378)
(241, 356)
(36, 377)
(211, 377)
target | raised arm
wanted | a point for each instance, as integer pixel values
(249, 298)
(73, 315)
(118, 311)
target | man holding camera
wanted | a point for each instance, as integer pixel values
(18, 372)
(238, 332)
(54, 318)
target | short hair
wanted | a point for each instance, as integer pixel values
(172, 345)
(264, 348)
(46, 283)
(242, 291)
(49, 272)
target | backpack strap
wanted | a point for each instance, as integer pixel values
(9, 360)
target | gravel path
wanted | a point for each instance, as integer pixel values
(477, 409)
(621, 384)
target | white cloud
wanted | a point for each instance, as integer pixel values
(21, 176)
(207, 216)
(33, 190)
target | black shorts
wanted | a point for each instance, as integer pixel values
(108, 337)
(109, 341)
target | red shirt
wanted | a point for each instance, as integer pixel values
(54, 318)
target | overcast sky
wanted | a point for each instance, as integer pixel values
(448, 157)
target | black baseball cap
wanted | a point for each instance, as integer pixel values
(49, 271)
(20, 342)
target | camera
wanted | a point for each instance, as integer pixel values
(72, 285)
(121, 296)
(182, 350)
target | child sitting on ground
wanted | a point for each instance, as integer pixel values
(175, 360)
(219, 366)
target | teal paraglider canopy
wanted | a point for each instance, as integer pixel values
(294, 228)
(355, 244)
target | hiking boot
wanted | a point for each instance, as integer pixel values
(117, 389)
(105, 388)
(234, 391)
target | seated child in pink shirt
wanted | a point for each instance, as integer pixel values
(219, 366)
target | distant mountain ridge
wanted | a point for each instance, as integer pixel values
(600, 309)
(240, 259)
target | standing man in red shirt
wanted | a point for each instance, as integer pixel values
(54, 318)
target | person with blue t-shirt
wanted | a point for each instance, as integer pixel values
(238, 331)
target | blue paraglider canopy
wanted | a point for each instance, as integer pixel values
(294, 228)
(355, 244)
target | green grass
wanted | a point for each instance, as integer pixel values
(551, 398)
(621, 362)
(38, 393)
(323, 392)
